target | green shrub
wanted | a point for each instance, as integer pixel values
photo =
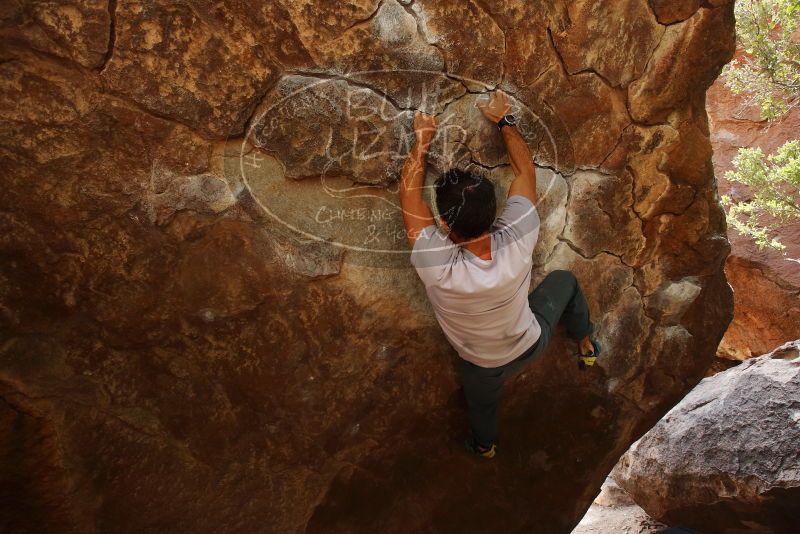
(770, 74)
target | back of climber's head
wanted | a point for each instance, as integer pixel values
(466, 202)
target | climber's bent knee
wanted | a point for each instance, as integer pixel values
(562, 276)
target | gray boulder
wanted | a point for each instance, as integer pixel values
(727, 458)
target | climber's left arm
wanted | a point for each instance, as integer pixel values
(416, 213)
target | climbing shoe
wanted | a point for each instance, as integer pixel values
(587, 360)
(473, 447)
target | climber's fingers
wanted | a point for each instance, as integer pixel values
(503, 100)
(495, 106)
(424, 121)
(425, 127)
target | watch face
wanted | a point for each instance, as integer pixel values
(511, 119)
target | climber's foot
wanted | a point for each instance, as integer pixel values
(473, 447)
(585, 345)
(588, 351)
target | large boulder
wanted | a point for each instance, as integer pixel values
(613, 510)
(208, 320)
(725, 459)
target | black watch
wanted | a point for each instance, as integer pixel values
(509, 120)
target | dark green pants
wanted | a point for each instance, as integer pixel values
(557, 298)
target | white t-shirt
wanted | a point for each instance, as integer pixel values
(482, 305)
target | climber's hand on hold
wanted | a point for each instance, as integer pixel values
(496, 106)
(524, 184)
(425, 127)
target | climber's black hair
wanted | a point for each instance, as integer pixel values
(466, 201)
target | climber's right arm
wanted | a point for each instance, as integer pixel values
(518, 152)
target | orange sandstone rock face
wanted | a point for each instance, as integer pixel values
(766, 283)
(209, 321)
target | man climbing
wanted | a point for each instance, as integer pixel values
(477, 271)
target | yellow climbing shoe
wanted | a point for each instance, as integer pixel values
(473, 447)
(587, 360)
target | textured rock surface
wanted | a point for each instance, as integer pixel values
(78, 31)
(626, 519)
(209, 321)
(613, 510)
(725, 459)
(766, 283)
